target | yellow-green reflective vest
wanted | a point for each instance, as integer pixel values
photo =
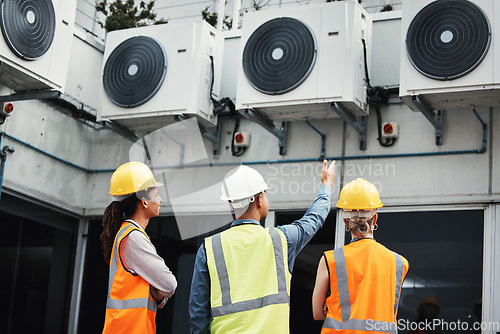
(249, 280)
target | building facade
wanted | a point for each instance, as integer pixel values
(441, 202)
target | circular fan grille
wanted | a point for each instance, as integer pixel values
(134, 71)
(28, 27)
(279, 55)
(448, 39)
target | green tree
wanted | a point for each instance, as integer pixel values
(124, 14)
(387, 8)
(211, 18)
(259, 4)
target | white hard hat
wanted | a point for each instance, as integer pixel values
(242, 182)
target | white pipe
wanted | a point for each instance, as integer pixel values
(221, 14)
(236, 14)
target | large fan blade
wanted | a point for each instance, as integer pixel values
(448, 39)
(28, 27)
(279, 55)
(134, 71)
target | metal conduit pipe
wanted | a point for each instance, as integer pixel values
(265, 162)
(323, 139)
(485, 130)
(2, 134)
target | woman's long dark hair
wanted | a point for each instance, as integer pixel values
(114, 215)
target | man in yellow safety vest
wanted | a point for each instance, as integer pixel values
(241, 279)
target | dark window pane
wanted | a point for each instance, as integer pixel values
(445, 252)
(36, 261)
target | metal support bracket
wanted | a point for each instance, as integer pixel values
(357, 124)
(50, 94)
(125, 133)
(214, 138)
(436, 118)
(281, 133)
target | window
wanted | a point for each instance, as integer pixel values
(445, 252)
(36, 261)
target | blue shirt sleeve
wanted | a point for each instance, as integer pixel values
(199, 299)
(301, 231)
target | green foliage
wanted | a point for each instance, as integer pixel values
(211, 18)
(258, 4)
(387, 8)
(124, 14)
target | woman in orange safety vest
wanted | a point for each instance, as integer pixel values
(358, 286)
(139, 280)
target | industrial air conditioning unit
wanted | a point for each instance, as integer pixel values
(151, 75)
(296, 61)
(35, 45)
(449, 52)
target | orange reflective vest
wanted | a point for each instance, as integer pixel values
(365, 286)
(130, 307)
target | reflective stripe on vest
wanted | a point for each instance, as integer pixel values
(228, 307)
(400, 266)
(345, 302)
(113, 268)
(362, 325)
(131, 303)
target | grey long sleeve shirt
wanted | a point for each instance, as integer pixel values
(139, 256)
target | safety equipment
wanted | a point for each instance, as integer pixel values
(130, 178)
(130, 307)
(250, 285)
(242, 182)
(359, 195)
(375, 273)
(362, 214)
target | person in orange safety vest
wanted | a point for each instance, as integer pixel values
(139, 281)
(358, 286)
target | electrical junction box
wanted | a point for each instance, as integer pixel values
(241, 139)
(390, 130)
(7, 109)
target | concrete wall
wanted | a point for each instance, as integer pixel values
(402, 180)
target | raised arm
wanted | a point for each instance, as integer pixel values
(301, 231)
(328, 173)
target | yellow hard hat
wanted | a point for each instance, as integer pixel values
(130, 178)
(359, 195)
